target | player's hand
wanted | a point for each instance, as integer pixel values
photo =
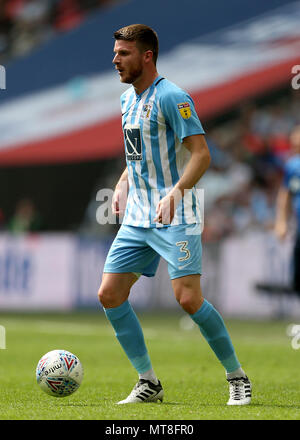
(166, 208)
(119, 199)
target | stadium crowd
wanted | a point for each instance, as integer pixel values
(248, 154)
(24, 24)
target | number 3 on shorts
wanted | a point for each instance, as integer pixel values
(183, 248)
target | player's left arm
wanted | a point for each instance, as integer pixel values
(180, 114)
(197, 165)
(194, 170)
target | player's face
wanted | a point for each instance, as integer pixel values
(128, 61)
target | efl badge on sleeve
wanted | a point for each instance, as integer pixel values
(185, 110)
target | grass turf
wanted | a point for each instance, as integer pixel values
(193, 380)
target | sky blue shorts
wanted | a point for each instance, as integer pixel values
(138, 250)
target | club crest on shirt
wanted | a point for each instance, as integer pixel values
(146, 111)
(185, 110)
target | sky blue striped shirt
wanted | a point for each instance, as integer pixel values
(154, 126)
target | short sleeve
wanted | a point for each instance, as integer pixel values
(179, 112)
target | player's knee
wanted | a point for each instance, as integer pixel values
(106, 296)
(189, 299)
(186, 301)
(112, 296)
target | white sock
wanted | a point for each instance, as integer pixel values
(236, 373)
(149, 375)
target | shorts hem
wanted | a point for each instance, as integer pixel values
(128, 271)
(184, 274)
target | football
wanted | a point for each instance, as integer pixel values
(59, 373)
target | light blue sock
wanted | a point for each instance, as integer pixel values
(213, 329)
(130, 335)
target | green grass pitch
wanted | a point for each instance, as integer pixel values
(193, 380)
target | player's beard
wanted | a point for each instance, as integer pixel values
(133, 74)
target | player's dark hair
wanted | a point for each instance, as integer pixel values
(145, 37)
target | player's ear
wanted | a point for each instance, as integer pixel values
(148, 56)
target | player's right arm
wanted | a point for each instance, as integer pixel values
(119, 199)
(282, 212)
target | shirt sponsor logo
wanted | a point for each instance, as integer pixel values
(133, 144)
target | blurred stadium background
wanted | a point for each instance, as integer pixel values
(61, 142)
